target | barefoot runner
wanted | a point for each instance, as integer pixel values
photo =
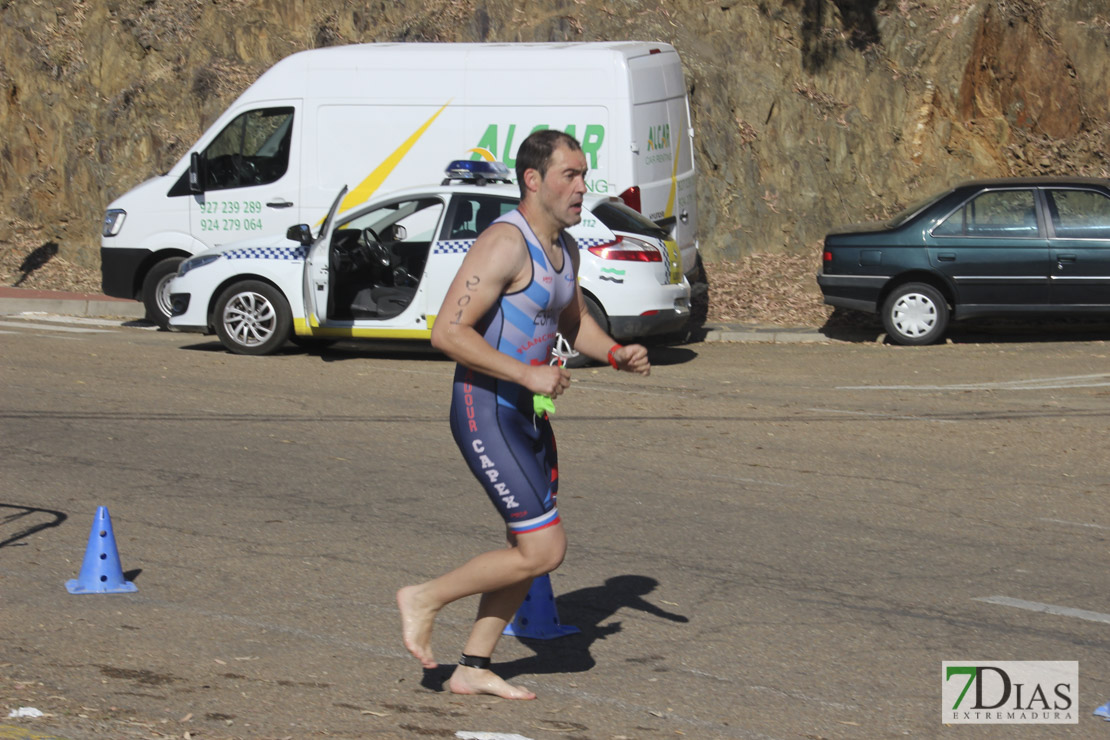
(515, 289)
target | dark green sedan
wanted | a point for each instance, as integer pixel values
(983, 248)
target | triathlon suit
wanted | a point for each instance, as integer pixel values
(510, 450)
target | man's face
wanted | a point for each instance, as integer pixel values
(563, 185)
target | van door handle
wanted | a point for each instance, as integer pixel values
(1066, 257)
(946, 257)
(279, 204)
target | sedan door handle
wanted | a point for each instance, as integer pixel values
(947, 256)
(279, 204)
(1066, 257)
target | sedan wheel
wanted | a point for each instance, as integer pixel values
(915, 314)
(252, 318)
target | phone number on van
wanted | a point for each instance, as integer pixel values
(231, 207)
(231, 224)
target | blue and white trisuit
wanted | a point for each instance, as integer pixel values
(510, 450)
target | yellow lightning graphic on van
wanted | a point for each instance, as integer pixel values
(375, 179)
(674, 179)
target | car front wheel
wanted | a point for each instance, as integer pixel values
(252, 318)
(915, 314)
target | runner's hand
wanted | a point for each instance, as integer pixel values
(547, 380)
(633, 358)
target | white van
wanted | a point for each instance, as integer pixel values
(380, 117)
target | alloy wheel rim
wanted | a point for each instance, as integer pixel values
(250, 319)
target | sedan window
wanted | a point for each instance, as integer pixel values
(1079, 214)
(995, 213)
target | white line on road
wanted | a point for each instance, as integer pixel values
(1036, 606)
(1073, 524)
(1033, 384)
(882, 416)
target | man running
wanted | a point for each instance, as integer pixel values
(517, 287)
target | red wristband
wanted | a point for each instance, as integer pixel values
(613, 360)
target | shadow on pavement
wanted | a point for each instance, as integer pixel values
(586, 609)
(854, 326)
(25, 516)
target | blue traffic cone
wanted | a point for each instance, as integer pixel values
(101, 572)
(537, 618)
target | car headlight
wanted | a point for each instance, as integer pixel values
(113, 221)
(194, 262)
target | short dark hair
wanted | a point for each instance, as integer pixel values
(536, 150)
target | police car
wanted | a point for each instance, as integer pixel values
(380, 270)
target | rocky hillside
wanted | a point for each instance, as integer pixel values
(808, 113)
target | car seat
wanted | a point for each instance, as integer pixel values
(460, 227)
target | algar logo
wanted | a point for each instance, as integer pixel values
(500, 140)
(659, 137)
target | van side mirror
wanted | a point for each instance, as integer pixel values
(196, 173)
(301, 233)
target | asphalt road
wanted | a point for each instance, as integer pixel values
(767, 540)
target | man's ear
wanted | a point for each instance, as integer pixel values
(532, 179)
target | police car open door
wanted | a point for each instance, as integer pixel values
(317, 269)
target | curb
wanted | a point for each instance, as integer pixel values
(767, 336)
(64, 307)
(15, 301)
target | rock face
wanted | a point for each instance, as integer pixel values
(807, 113)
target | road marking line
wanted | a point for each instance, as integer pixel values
(1036, 606)
(735, 479)
(882, 416)
(1073, 524)
(1034, 384)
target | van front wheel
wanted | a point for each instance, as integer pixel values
(156, 290)
(252, 318)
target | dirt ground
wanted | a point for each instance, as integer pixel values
(771, 289)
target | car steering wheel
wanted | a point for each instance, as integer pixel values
(371, 245)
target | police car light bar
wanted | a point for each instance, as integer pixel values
(476, 171)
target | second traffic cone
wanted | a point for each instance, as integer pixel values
(537, 617)
(101, 572)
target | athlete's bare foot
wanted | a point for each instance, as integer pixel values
(467, 680)
(416, 625)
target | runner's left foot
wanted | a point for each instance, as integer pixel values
(484, 681)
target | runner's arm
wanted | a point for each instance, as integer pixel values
(584, 334)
